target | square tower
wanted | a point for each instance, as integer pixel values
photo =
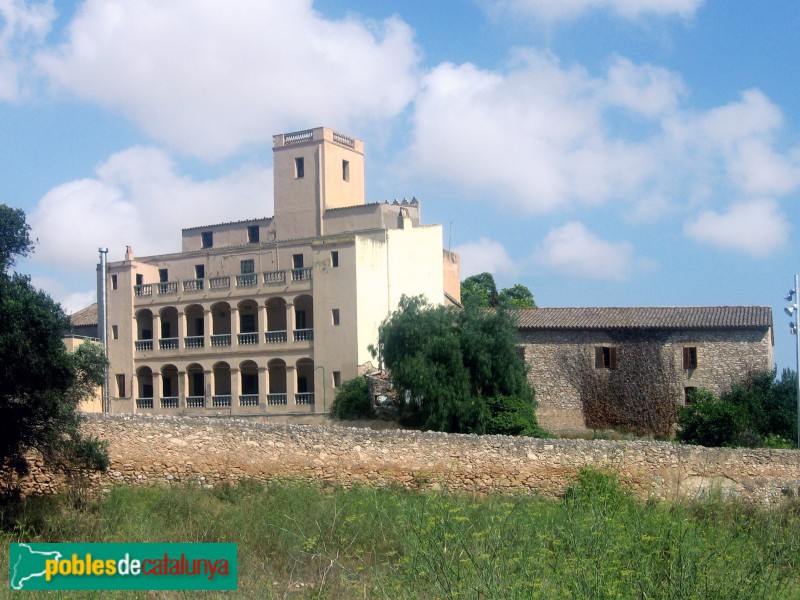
(314, 170)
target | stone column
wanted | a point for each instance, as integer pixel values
(291, 385)
(156, 390)
(182, 389)
(290, 322)
(209, 381)
(181, 328)
(156, 331)
(235, 326)
(207, 324)
(263, 386)
(234, 389)
(261, 324)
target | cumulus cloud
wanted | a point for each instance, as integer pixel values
(756, 228)
(208, 78)
(23, 26)
(575, 251)
(137, 198)
(565, 10)
(485, 256)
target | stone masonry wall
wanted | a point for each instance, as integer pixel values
(185, 451)
(724, 356)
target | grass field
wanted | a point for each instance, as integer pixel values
(297, 540)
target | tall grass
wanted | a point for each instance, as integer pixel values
(300, 541)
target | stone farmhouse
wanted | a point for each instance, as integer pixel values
(270, 315)
(701, 347)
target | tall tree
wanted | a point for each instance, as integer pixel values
(480, 291)
(41, 383)
(451, 364)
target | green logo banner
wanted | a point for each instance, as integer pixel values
(123, 567)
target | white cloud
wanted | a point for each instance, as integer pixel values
(23, 26)
(756, 228)
(563, 10)
(138, 199)
(575, 251)
(485, 256)
(209, 77)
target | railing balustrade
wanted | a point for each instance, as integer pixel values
(275, 277)
(144, 345)
(303, 335)
(248, 339)
(168, 343)
(167, 287)
(195, 401)
(220, 401)
(246, 280)
(223, 339)
(219, 283)
(276, 337)
(248, 400)
(343, 139)
(169, 402)
(298, 137)
(276, 399)
(301, 274)
(144, 403)
(193, 341)
(143, 290)
(304, 398)
(192, 285)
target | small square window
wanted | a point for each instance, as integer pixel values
(335, 258)
(247, 266)
(605, 357)
(163, 275)
(299, 168)
(115, 332)
(120, 377)
(199, 271)
(208, 239)
(253, 234)
(690, 357)
(335, 316)
(114, 282)
(346, 170)
(337, 379)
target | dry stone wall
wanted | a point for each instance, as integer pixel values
(199, 451)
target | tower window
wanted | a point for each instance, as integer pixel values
(208, 239)
(113, 282)
(335, 316)
(346, 170)
(199, 271)
(605, 357)
(299, 168)
(247, 266)
(253, 236)
(690, 357)
(163, 275)
(334, 258)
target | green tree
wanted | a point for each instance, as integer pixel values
(449, 363)
(480, 291)
(41, 383)
(353, 400)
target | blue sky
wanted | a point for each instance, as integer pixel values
(601, 152)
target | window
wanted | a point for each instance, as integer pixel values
(302, 384)
(208, 239)
(335, 258)
(605, 357)
(247, 323)
(139, 279)
(147, 334)
(249, 383)
(335, 316)
(247, 266)
(163, 275)
(337, 379)
(199, 271)
(346, 170)
(688, 393)
(166, 330)
(166, 387)
(199, 326)
(113, 282)
(297, 261)
(253, 235)
(120, 377)
(115, 332)
(690, 357)
(299, 168)
(300, 319)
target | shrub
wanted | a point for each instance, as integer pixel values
(708, 422)
(353, 400)
(512, 416)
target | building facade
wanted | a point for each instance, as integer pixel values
(700, 347)
(271, 315)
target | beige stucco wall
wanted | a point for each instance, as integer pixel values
(171, 451)
(724, 356)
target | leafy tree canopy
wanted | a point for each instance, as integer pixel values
(451, 362)
(41, 383)
(480, 291)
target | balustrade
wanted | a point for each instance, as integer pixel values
(168, 343)
(303, 335)
(223, 339)
(195, 401)
(276, 399)
(144, 403)
(247, 280)
(169, 402)
(193, 341)
(144, 345)
(220, 401)
(274, 277)
(304, 398)
(167, 287)
(193, 285)
(301, 274)
(248, 339)
(276, 337)
(143, 290)
(248, 400)
(219, 283)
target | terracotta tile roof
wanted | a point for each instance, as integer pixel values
(85, 316)
(657, 317)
